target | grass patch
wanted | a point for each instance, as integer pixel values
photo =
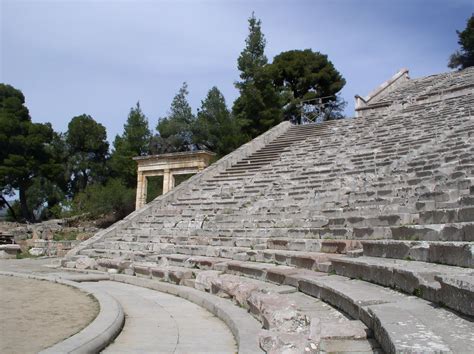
(24, 255)
(65, 235)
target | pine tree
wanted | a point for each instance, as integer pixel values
(252, 58)
(175, 130)
(464, 57)
(215, 129)
(301, 76)
(88, 149)
(135, 141)
(258, 107)
(24, 148)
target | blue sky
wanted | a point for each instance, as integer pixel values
(100, 57)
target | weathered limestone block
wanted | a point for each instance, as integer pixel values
(205, 279)
(452, 253)
(86, 263)
(339, 246)
(36, 251)
(179, 275)
(273, 342)
(9, 251)
(343, 329)
(457, 293)
(277, 313)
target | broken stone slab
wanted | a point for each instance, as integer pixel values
(107, 263)
(9, 251)
(142, 270)
(204, 279)
(349, 346)
(178, 275)
(232, 287)
(86, 263)
(276, 312)
(68, 264)
(353, 329)
(10, 248)
(172, 274)
(273, 342)
(35, 251)
(339, 246)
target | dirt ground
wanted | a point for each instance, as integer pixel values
(36, 314)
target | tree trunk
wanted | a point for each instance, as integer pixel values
(9, 207)
(24, 206)
(85, 180)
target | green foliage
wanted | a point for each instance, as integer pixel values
(464, 57)
(25, 254)
(135, 141)
(302, 75)
(154, 187)
(252, 58)
(418, 292)
(44, 196)
(65, 235)
(258, 107)
(215, 129)
(24, 152)
(88, 148)
(13, 211)
(112, 198)
(175, 130)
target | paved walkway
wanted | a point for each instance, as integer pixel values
(155, 322)
(162, 323)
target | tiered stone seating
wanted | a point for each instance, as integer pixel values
(373, 216)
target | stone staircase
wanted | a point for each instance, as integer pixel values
(340, 236)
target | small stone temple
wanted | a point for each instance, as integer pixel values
(168, 165)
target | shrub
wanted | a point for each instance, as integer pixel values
(112, 198)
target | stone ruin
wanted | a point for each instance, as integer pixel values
(356, 230)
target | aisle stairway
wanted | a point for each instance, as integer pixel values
(374, 216)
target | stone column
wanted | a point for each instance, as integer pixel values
(172, 180)
(167, 181)
(141, 190)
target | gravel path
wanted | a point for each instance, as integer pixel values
(37, 314)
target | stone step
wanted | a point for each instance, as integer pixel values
(171, 274)
(400, 323)
(434, 232)
(381, 220)
(413, 277)
(443, 216)
(312, 245)
(459, 254)
(279, 308)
